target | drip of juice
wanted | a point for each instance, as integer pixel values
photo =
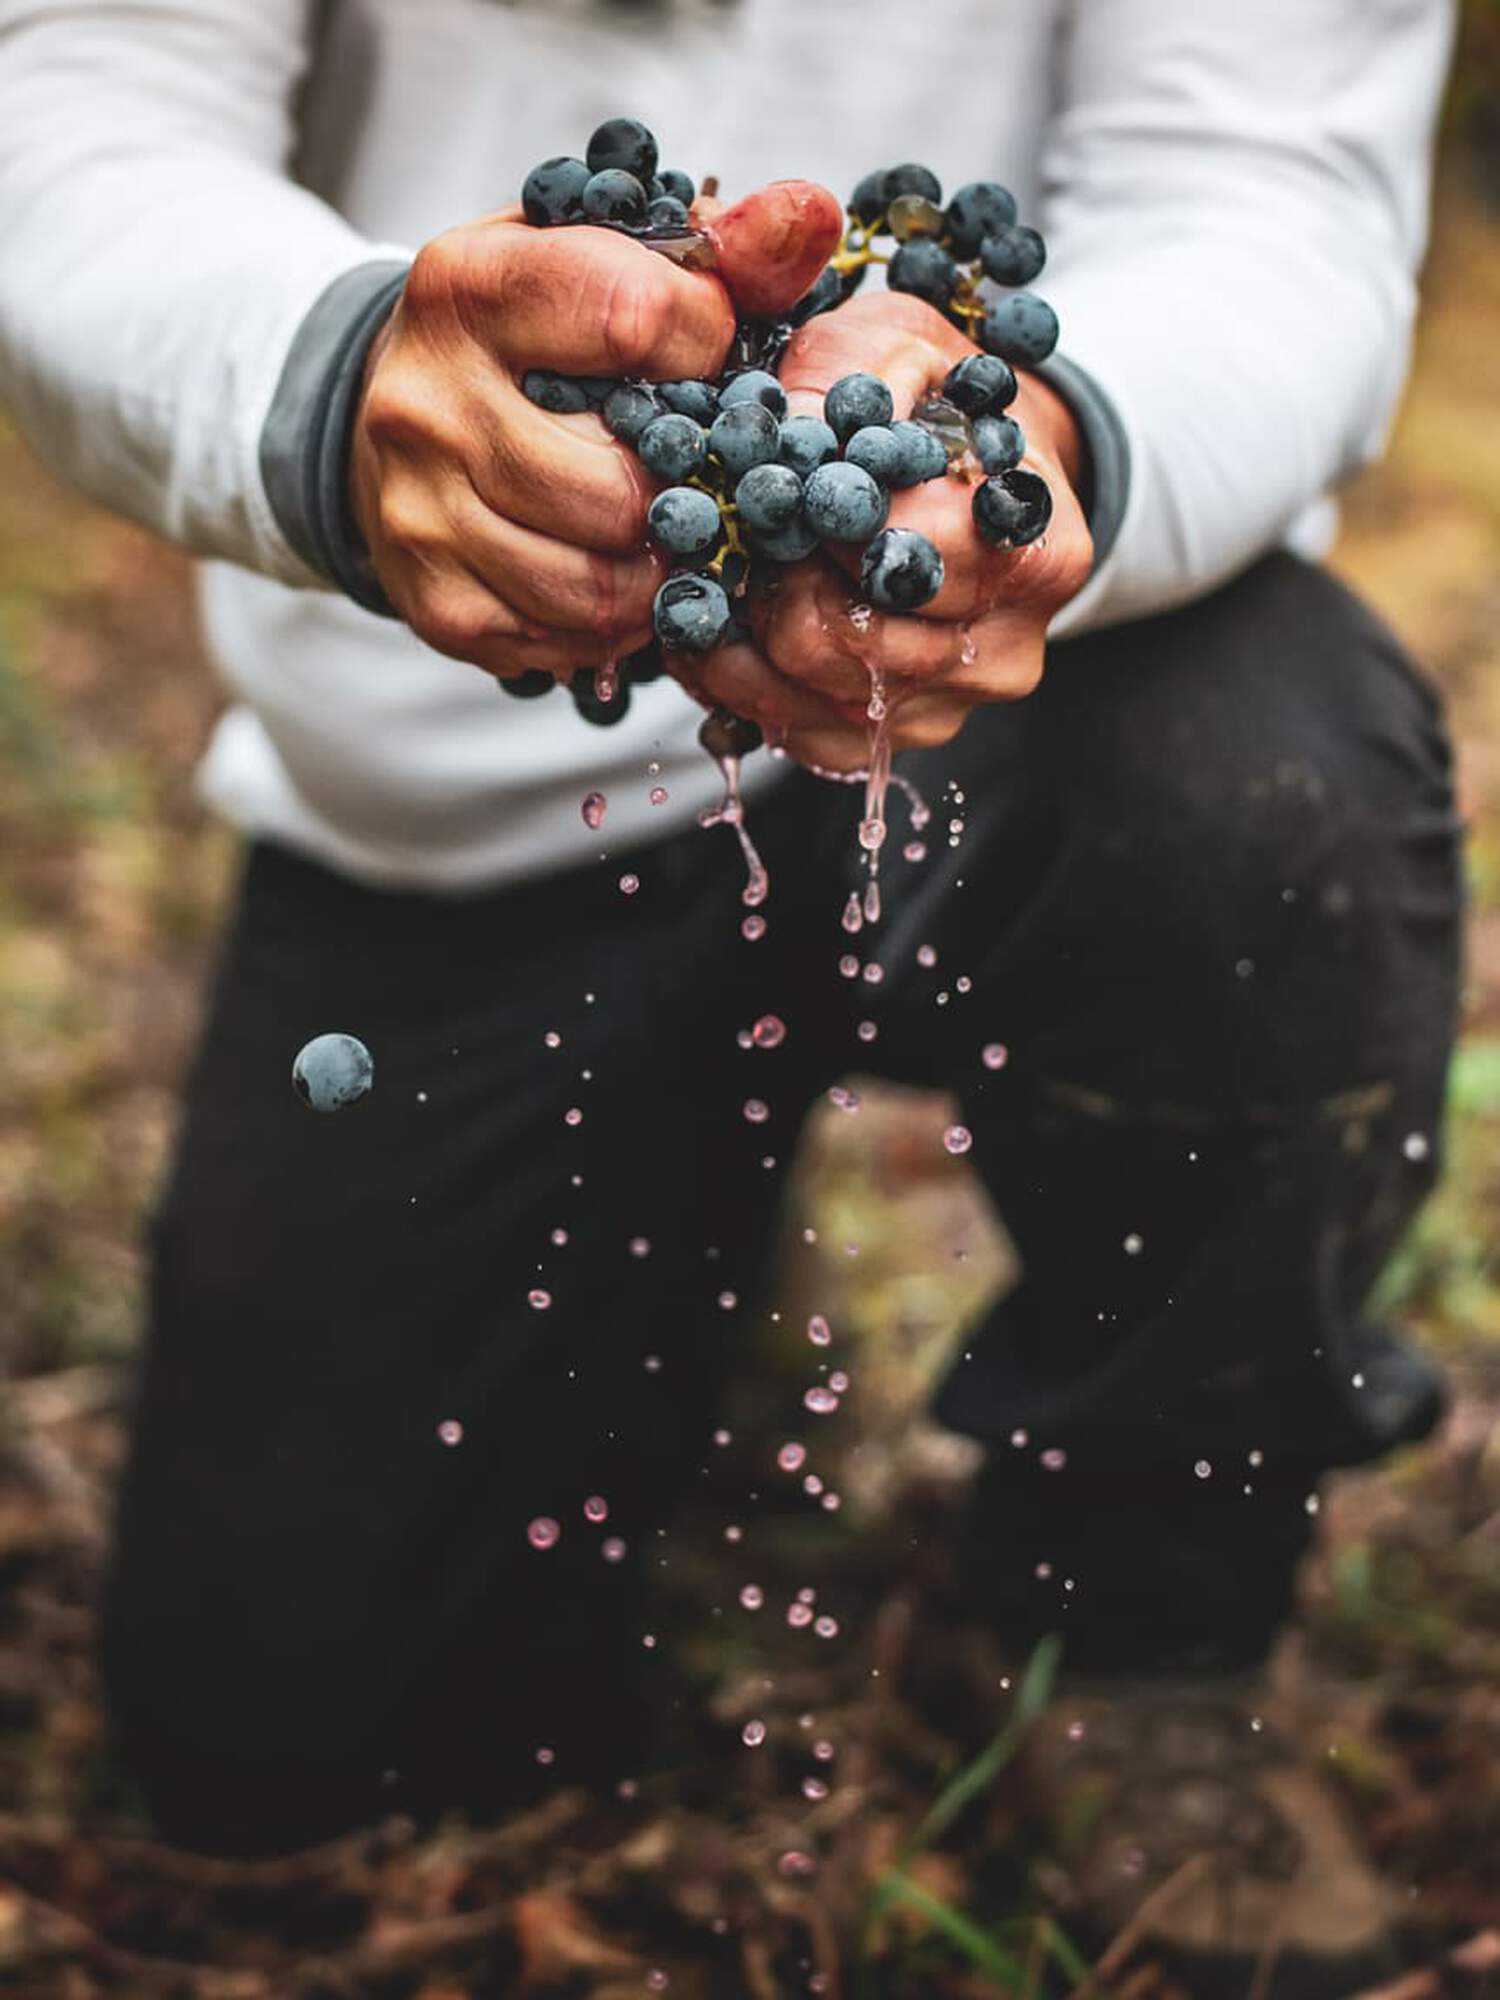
(732, 813)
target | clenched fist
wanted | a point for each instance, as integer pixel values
(981, 639)
(503, 534)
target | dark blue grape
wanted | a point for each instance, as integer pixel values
(769, 498)
(857, 400)
(806, 443)
(999, 442)
(1012, 509)
(331, 1072)
(824, 296)
(584, 688)
(1013, 256)
(679, 185)
(691, 612)
(666, 212)
(869, 201)
(685, 520)
(597, 388)
(746, 434)
(901, 570)
(673, 447)
(787, 545)
(724, 734)
(841, 503)
(981, 384)
(1022, 328)
(615, 196)
(925, 269)
(623, 145)
(911, 179)
(876, 450)
(528, 686)
(629, 408)
(553, 192)
(922, 455)
(698, 400)
(755, 385)
(979, 209)
(558, 393)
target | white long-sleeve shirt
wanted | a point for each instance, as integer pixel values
(1233, 192)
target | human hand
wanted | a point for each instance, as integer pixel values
(981, 639)
(506, 535)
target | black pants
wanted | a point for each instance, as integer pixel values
(1207, 893)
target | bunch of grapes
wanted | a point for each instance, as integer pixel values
(746, 487)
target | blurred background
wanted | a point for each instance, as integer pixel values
(112, 882)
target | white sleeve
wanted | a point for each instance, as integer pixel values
(1235, 197)
(155, 260)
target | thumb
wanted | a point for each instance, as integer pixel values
(771, 246)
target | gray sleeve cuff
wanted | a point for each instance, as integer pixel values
(304, 445)
(1108, 472)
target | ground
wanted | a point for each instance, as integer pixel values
(112, 885)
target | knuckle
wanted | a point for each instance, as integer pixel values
(635, 317)
(404, 518)
(441, 271)
(453, 623)
(394, 415)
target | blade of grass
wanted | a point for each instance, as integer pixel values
(1072, 1962)
(1032, 1696)
(965, 1936)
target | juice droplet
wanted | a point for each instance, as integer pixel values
(915, 850)
(849, 966)
(873, 974)
(629, 884)
(814, 1789)
(824, 1752)
(595, 805)
(822, 1402)
(559, 1238)
(842, 1098)
(926, 956)
(596, 1508)
(799, 1616)
(796, 1866)
(1054, 1459)
(818, 1331)
(792, 1457)
(872, 901)
(658, 795)
(872, 835)
(826, 1627)
(838, 1381)
(607, 681)
(538, 1299)
(812, 1486)
(757, 1110)
(867, 1031)
(769, 1032)
(544, 1533)
(853, 918)
(728, 1301)
(831, 1503)
(752, 1597)
(553, 1039)
(450, 1432)
(753, 928)
(753, 1734)
(640, 1246)
(573, 1116)
(958, 1138)
(612, 1549)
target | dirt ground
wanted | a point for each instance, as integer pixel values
(110, 888)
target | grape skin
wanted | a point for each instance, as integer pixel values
(999, 443)
(628, 409)
(1021, 329)
(691, 612)
(745, 434)
(841, 503)
(981, 384)
(1013, 256)
(806, 443)
(755, 385)
(673, 447)
(979, 209)
(769, 498)
(685, 521)
(1012, 509)
(901, 570)
(558, 393)
(855, 401)
(624, 145)
(615, 196)
(553, 193)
